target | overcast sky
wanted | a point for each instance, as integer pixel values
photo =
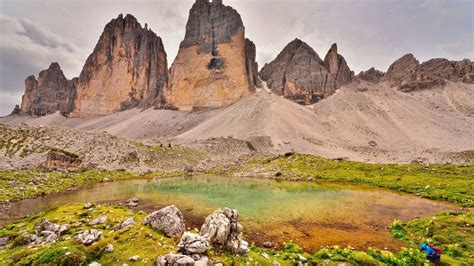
(34, 33)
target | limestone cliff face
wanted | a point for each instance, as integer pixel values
(299, 74)
(127, 68)
(215, 65)
(52, 92)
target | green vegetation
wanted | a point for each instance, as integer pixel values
(453, 183)
(23, 184)
(138, 240)
(149, 244)
(452, 231)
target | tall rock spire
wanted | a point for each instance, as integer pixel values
(215, 65)
(127, 68)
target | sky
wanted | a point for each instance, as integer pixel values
(369, 33)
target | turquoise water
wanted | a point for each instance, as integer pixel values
(310, 214)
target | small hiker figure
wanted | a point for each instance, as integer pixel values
(433, 253)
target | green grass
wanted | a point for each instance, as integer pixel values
(139, 240)
(149, 244)
(23, 184)
(452, 183)
(452, 231)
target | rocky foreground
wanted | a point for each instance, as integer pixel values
(81, 234)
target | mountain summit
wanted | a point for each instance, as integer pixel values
(299, 74)
(215, 65)
(127, 68)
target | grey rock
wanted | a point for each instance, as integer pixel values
(252, 66)
(408, 75)
(169, 220)
(51, 93)
(299, 74)
(371, 75)
(4, 240)
(210, 23)
(95, 263)
(99, 220)
(45, 225)
(127, 223)
(90, 236)
(192, 243)
(174, 259)
(134, 258)
(88, 206)
(337, 66)
(224, 231)
(109, 248)
(49, 236)
(421, 85)
(402, 69)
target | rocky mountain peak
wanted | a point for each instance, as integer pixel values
(299, 74)
(52, 92)
(331, 61)
(215, 65)
(54, 66)
(127, 68)
(402, 69)
(407, 73)
(371, 75)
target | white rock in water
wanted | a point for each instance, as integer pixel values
(169, 220)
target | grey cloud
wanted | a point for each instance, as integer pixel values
(25, 46)
(368, 32)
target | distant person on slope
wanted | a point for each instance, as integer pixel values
(433, 253)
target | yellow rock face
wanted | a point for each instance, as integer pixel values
(92, 97)
(128, 68)
(193, 86)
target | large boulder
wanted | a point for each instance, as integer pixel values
(224, 231)
(192, 243)
(169, 220)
